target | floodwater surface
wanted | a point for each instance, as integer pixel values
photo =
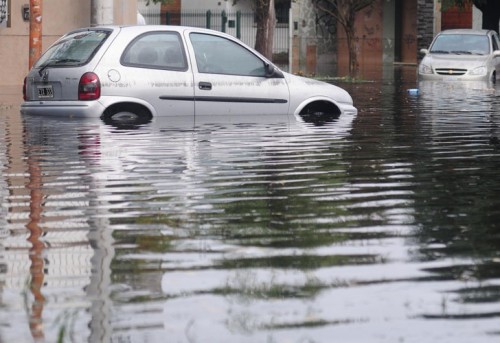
(383, 227)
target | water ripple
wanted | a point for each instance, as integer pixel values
(381, 227)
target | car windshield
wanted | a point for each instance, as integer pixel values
(74, 49)
(461, 44)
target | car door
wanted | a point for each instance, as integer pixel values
(153, 68)
(230, 79)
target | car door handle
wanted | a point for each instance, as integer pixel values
(205, 86)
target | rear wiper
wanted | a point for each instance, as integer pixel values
(440, 52)
(65, 60)
(54, 62)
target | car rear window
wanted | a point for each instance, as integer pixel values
(74, 49)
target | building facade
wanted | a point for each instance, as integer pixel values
(58, 17)
(390, 31)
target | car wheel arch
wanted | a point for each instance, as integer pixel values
(318, 105)
(318, 111)
(142, 113)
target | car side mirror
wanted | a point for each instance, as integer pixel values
(496, 53)
(424, 51)
(272, 72)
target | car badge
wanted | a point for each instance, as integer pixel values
(450, 72)
(45, 76)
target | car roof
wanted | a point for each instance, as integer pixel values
(177, 28)
(148, 28)
(465, 32)
(140, 28)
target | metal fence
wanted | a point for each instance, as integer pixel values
(241, 25)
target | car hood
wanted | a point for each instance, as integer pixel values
(455, 61)
(306, 88)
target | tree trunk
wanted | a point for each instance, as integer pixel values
(491, 14)
(353, 54)
(265, 27)
(350, 32)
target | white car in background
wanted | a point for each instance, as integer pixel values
(147, 71)
(462, 54)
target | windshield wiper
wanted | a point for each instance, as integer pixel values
(53, 62)
(462, 52)
(440, 52)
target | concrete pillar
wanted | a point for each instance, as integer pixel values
(437, 17)
(102, 12)
(389, 31)
(113, 12)
(428, 18)
(125, 12)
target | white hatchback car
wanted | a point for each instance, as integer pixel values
(147, 71)
(462, 54)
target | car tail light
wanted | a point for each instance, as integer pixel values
(25, 97)
(89, 87)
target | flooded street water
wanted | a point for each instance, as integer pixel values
(384, 227)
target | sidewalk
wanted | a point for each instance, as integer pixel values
(10, 97)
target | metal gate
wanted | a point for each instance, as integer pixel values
(241, 25)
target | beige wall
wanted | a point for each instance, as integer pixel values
(59, 17)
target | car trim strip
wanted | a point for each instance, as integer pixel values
(225, 99)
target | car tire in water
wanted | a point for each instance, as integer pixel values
(320, 113)
(127, 116)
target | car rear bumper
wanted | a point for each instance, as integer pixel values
(91, 109)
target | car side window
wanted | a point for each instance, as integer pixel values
(158, 50)
(218, 55)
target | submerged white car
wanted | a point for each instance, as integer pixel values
(462, 54)
(148, 71)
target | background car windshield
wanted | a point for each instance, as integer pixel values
(74, 49)
(218, 55)
(161, 50)
(458, 43)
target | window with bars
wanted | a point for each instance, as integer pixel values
(4, 13)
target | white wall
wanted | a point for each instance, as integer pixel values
(149, 12)
(477, 18)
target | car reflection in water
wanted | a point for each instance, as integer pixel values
(103, 166)
(457, 107)
(316, 118)
(457, 95)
